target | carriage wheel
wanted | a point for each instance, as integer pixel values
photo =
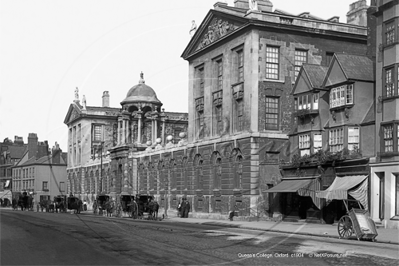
(345, 228)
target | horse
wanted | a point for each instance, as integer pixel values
(51, 207)
(109, 207)
(153, 207)
(133, 209)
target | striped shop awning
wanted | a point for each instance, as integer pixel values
(339, 188)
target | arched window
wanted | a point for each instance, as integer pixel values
(184, 176)
(218, 173)
(238, 173)
(198, 172)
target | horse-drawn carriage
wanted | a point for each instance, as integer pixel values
(74, 203)
(100, 205)
(60, 203)
(147, 207)
(23, 200)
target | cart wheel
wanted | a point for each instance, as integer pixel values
(345, 228)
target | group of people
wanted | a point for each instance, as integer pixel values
(183, 208)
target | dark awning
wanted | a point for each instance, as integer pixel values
(290, 185)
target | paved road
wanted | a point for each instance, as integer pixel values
(30, 238)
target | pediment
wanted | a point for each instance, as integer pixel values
(215, 26)
(74, 112)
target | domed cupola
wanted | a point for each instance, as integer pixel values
(141, 94)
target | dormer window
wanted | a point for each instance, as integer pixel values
(341, 96)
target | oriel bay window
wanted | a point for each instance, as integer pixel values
(390, 137)
(391, 82)
(391, 32)
(341, 96)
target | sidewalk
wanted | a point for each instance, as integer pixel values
(390, 236)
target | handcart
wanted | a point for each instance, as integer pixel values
(358, 222)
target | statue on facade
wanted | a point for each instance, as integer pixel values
(76, 94)
(253, 4)
(193, 28)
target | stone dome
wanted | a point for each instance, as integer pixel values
(141, 93)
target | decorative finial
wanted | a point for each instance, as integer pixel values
(84, 102)
(141, 81)
(76, 95)
(193, 28)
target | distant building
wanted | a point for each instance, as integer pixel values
(10, 153)
(40, 172)
(102, 141)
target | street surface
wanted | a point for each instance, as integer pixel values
(31, 238)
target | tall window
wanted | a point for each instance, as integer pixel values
(199, 105)
(396, 194)
(315, 101)
(62, 186)
(304, 144)
(45, 186)
(336, 139)
(388, 138)
(240, 115)
(217, 105)
(389, 85)
(201, 81)
(301, 57)
(272, 113)
(97, 133)
(217, 173)
(219, 64)
(390, 33)
(353, 138)
(317, 142)
(341, 96)
(238, 175)
(240, 65)
(272, 62)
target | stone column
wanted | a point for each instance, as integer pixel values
(139, 113)
(119, 132)
(123, 132)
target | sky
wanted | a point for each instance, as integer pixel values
(50, 47)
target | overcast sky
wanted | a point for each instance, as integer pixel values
(50, 47)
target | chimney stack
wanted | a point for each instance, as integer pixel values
(56, 154)
(32, 145)
(105, 99)
(357, 14)
(18, 140)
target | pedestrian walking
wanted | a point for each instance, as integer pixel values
(185, 208)
(37, 207)
(179, 209)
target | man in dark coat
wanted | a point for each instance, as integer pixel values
(185, 208)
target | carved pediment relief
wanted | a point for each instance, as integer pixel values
(216, 29)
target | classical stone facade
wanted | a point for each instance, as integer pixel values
(243, 63)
